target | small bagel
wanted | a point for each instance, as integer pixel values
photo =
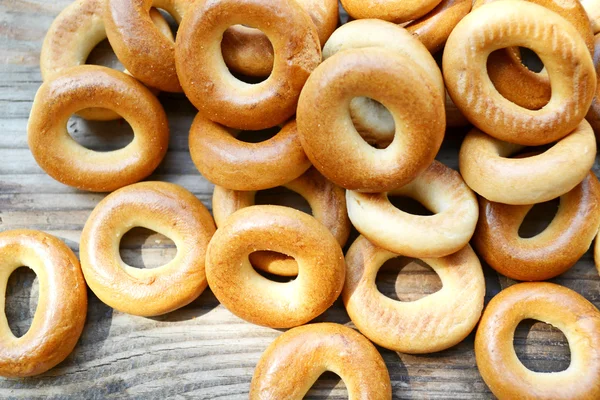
(434, 28)
(389, 10)
(432, 323)
(221, 97)
(516, 23)
(165, 208)
(371, 119)
(550, 253)
(513, 79)
(61, 308)
(327, 201)
(248, 295)
(440, 189)
(485, 166)
(140, 46)
(88, 86)
(72, 37)
(592, 8)
(248, 51)
(333, 144)
(563, 308)
(238, 165)
(296, 359)
(593, 115)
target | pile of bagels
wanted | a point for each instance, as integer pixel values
(360, 112)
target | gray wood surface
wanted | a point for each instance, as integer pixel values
(201, 351)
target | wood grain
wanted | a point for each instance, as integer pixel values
(201, 351)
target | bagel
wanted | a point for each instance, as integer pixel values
(165, 208)
(440, 189)
(434, 28)
(221, 97)
(327, 202)
(550, 253)
(389, 10)
(248, 295)
(333, 144)
(61, 308)
(563, 308)
(592, 8)
(593, 115)
(486, 168)
(296, 359)
(72, 37)
(371, 119)
(238, 165)
(139, 45)
(248, 51)
(432, 323)
(512, 23)
(597, 254)
(88, 86)
(513, 79)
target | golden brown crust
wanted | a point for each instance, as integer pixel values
(593, 115)
(512, 23)
(328, 204)
(514, 80)
(432, 323)
(296, 359)
(248, 51)
(434, 28)
(73, 35)
(238, 165)
(551, 252)
(486, 167)
(139, 45)
(93, 86)
(389, 10)
(285, 230)
(440, 189)
(162, 207)
(563, 308)
(61, 308)
(221, 97)
(331, 141)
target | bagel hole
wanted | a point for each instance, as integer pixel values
(171, 21)
(144, 248)
(541, 347)
(538, 218)
(407, 279)
(248, 41)
(281, 196)
(268, 275)
(531, 60)
(22, 295)
(256, 136)
(373, 113)
(104, 55)
(329, 385)
(409, 205)
(101, 136)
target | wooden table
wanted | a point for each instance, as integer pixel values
(201, 351)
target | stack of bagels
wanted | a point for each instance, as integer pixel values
(360, 112)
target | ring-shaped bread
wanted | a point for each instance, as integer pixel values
(249, 52)
(333, 144)
(327, 202)
(295, 360)
(389, 10)
(517, 23)
(250, 296)
(88, 86)
(238, 165)
(551, 252)
(61, 308)
(558, 306)
(486, 167)
(146, 53)
(441, 190)
(593, 115)
(73, 35)
(433, 323)
(215, 92)
(165, 208)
